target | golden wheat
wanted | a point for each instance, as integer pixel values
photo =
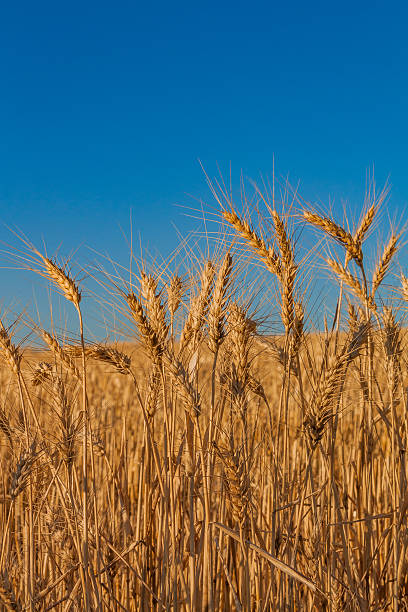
(208, 466)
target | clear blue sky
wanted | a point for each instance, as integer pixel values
(108, 106)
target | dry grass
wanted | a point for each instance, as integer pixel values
(205, 466)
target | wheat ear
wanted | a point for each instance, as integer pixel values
(155, 309)
(110, 356)
(22, 471)
(5, 426)
(288, 301)
(285, 246)
(288, 272)
(175, 292)
(62, 356)
(147, 333)
(404, 287)
(66, 425)
(42, 372)
(264, 252)
(352, 282)
(216, 311)
(384, 263)
(186, 388)
(63, 281)
(365, 224)
(298, 328)
(320, 409)
(392, 348)
(10, 352)
(198, 308)
(338, 233)
(237, 484)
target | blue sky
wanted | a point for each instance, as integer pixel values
(107, 107)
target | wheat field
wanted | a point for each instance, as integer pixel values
(206, 464)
